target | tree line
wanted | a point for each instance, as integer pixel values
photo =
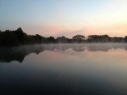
(17, 37)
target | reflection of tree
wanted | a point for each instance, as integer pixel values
(98, 48)
(125, 48)
(78, 48)
(19, 53)
(105, 47)
(8, 55)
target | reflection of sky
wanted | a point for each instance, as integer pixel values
(108, 66)
(65, 17)
(70, 68)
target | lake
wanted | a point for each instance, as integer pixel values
(64, 69)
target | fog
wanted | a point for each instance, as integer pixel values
(19, 53)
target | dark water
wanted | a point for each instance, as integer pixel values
(68, 69)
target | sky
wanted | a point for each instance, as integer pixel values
(65, 17)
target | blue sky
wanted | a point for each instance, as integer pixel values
(65, 17)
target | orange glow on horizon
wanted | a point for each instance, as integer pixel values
(113, 30)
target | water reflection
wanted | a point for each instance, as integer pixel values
(19, 53)
(68, 69)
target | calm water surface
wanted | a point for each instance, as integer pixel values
(68, 69)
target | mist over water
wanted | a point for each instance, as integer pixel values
(64, 69)
(19, 53)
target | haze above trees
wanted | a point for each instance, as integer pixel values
(18, 37)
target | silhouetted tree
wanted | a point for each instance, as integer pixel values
(22, 37)
(125, 39)
(51, 39)
(116, 39)
(62, 39)
(37, 38)
(98, 38)
(8, 39)
(78, 38)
